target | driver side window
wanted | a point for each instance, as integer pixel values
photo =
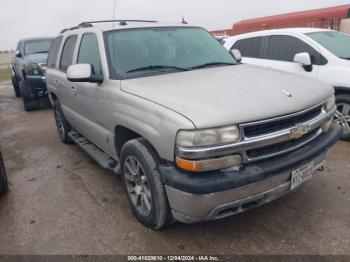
(89, 52)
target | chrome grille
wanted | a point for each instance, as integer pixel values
(272, 150)
(280, 124)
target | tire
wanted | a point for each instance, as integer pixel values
(157, 214)
(63, 126)
(3, 177)
(30, 101)
(343, 114)
(15, 85)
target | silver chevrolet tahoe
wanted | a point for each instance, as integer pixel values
(194, 134)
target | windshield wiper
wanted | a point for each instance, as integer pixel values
(155, 67)
(41, 52)
(346, 58)
(212, 64)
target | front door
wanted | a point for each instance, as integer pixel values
(90, 104)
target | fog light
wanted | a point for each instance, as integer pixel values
(208, 164)
(327, 125)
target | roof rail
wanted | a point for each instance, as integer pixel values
(120, 21)
(90, 23)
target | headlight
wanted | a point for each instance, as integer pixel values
(330, 104)
(32, 69)
(207, 137)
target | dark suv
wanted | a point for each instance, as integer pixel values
(3, 178)
(29, 65)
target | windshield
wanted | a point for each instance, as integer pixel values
(149, 51)
(335, 42)
(37, 46)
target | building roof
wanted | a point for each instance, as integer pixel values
(340, 12)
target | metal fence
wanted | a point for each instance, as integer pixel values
(5, 66)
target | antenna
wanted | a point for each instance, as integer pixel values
(183, 20)
(114, 14)
(114, 7)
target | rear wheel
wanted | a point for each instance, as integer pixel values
(30, 101)
(142, 183)
(3, 178)
(343, 114)
(15, 85)
(62, 124)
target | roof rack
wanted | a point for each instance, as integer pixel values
(90, 23)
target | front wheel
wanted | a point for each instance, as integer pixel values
(3, 177)
(30, 101)
(343, 114)
(142, 183)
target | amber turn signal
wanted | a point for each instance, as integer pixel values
(208, 164)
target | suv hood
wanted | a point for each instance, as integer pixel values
(227, 95)
(36, 58)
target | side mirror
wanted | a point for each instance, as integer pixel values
(18, 53)
(83, 73)
(305, 60)
(237, 55)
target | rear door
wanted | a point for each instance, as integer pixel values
(251, 49)
(52, 74)
(280, 53)
(66, 89)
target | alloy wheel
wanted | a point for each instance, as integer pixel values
(343, 117)
(137, 185)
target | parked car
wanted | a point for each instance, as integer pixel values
(29, 65)
(319, 54)
(3, 177)
(192, 134)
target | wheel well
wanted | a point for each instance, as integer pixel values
(123, 135)
(341, 91)
(54, 97)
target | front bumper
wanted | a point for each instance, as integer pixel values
(197, 197)
(37, 84)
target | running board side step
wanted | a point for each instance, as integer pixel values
(103, 159)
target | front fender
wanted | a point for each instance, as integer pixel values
(157, 124)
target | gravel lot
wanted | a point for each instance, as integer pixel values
(62, 202)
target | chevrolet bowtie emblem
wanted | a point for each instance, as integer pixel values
(299, 130)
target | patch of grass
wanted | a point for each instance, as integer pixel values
(5, 74)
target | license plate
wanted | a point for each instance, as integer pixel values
(301, 175)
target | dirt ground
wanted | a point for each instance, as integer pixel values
(62, 202)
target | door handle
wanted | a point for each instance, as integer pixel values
(74, 90)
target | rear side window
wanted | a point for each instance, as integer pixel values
(89, 52)
(68, 52)
(284, 48)
(53, 52)
(250, 47)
